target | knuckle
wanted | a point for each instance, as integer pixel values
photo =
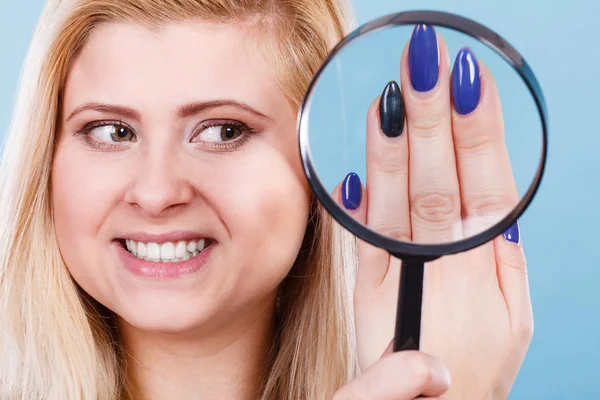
(390, 163)
(516, 263)
(485, 205)
(393, 229)
(436, 208)
(429, 125)
(477, 142)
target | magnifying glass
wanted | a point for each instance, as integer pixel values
(441, 124)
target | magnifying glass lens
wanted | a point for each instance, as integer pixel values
(421, 134)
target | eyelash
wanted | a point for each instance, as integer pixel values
(89, 139)
(232, 145)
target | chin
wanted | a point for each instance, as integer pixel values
(167, 319)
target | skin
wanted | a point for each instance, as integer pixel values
(187, 333)
(205, 335)
(477, 316)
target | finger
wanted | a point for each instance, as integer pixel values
(372, 261)
(372, 288)
(514, 283)
(389, 349)
(488, 189)
(434, 190)
(387, 181)
(402, 375)
(352, 196)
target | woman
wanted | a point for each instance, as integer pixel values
(161, 241)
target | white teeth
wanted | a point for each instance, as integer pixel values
(180, 249)
(166, 252)
(141, 250)
(153, 251)
(191, 247)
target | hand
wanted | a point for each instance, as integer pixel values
(477, 315)
(420, 374)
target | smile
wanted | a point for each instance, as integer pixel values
(166, 252)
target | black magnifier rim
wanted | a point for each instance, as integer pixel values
(484, 35)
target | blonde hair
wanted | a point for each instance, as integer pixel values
(58, 343)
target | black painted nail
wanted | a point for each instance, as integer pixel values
(351, 191)
(391, 110)
(513, 234)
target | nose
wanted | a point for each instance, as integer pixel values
(161, 183)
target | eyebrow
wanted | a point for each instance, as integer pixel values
(186, 110)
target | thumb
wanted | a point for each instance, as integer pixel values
(402, 375)
(389, 349)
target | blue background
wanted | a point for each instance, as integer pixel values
(560, 42)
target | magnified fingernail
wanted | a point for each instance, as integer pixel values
(351, 191)
(391, 110)
(466, 82)
(423, 58)
(512, 234)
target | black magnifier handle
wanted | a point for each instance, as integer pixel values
(410, 300)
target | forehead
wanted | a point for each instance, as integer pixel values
(180, 62)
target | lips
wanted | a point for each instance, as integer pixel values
(163, 269)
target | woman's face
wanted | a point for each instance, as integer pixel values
(178, 195)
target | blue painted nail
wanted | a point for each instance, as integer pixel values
(423, 58)
(351, 191)
(466, 83)
(512, 234)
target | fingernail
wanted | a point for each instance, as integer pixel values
(441, 375)
(391, 110)
(512, 234)
(351, 191)
(423, 58)
(466, 83)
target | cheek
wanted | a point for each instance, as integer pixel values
(81, 198)
(266, 211)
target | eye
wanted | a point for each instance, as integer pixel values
(112, 133)
(221, 133)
